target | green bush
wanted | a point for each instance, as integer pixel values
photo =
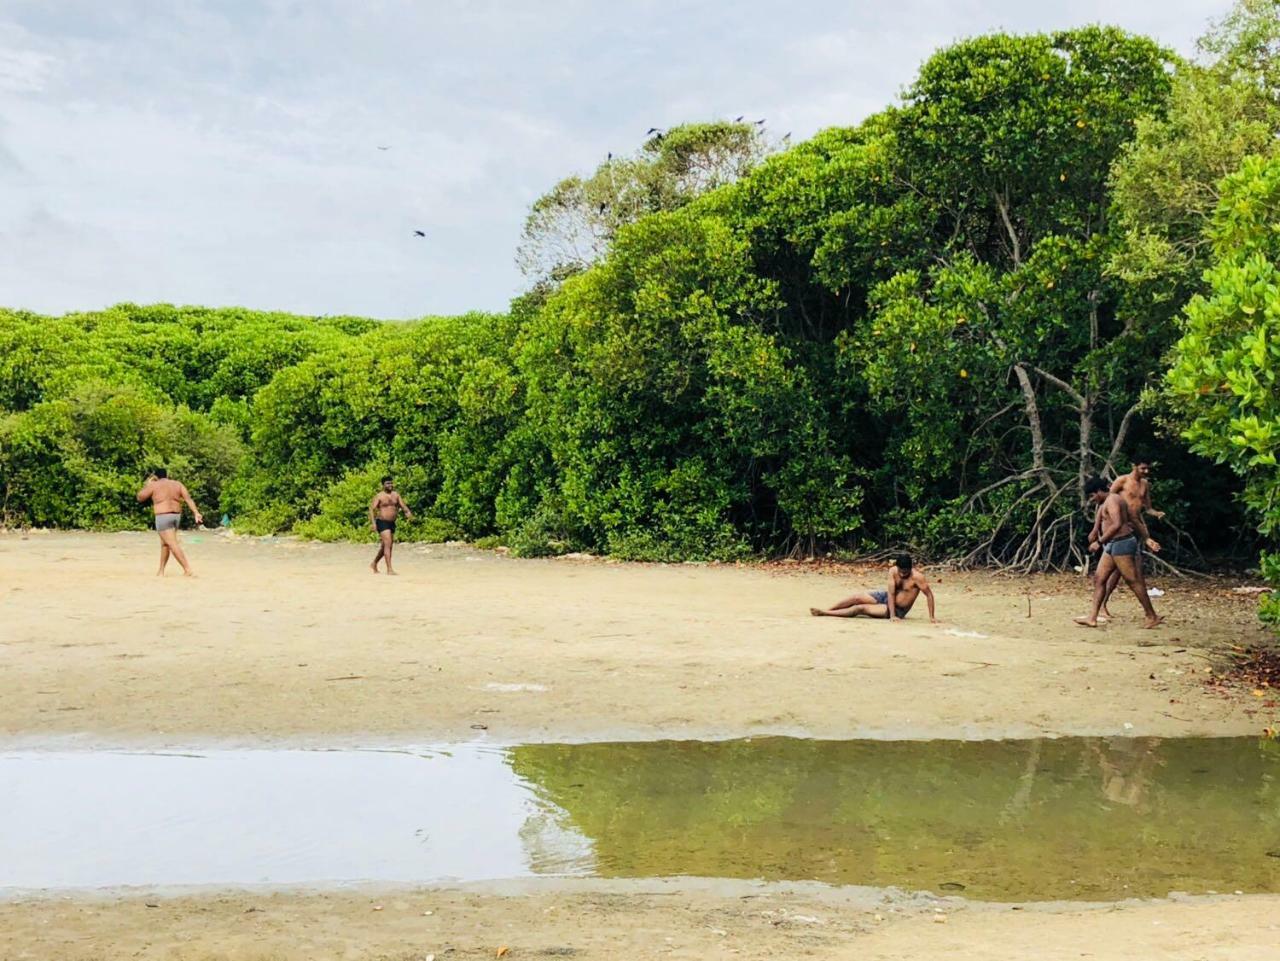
(80, 460)
(1224, 385)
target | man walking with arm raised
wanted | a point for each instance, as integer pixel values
(167, 497)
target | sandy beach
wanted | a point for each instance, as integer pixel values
(281, 641)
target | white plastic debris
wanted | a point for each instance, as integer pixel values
(955, 633)
(1154, 592)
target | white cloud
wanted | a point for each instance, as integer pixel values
(226, 152)
(24, 71)
(24, 67)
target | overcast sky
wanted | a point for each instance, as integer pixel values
(226, 152)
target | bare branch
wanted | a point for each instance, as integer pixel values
(1033, 421)
(1118, 443)
(1002, 204)
(1059, 383)
(1000, 483)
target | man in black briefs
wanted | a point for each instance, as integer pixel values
(383, 511)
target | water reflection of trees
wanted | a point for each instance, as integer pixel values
(1074, 817)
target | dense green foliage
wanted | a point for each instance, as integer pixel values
(572, 225)
(1225, 383)
(925, 330)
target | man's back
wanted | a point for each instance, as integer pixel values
(1117, 516)
(166, 496)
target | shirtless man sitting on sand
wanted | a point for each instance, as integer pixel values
(167, 497)
(905, 585)
(1135, 488)
(383, 511)
(1117, 538)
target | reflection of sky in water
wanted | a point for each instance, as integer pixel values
(1082, 818)
(94, 819)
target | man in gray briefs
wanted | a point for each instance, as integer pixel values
(167, 497)
(1135, 488)
(1117, 538)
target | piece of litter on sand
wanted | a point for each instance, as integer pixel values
(1154, 592)
(514, 688)
(1251, 591)
(955, 633)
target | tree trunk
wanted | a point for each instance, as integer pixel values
(1033, 422)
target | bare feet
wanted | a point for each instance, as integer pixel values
(1085, 621)
(816, 611)
(374, 567)
(391, 572)
(1152, 622)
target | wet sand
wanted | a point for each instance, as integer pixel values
(634, 920)
(282, 641)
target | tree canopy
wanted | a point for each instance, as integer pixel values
(925, 330)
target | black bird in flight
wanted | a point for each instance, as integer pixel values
(419, 233)
(787, 135)
(758, 122)
(652, 130)
(608, 156)
(738, 119)
(603, 208)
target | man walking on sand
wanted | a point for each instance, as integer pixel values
(167, 497)
(1118, 541)
(905, 585)
(1135, 488)
(383, 511)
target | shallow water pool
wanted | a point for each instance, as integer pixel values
(1072, 818)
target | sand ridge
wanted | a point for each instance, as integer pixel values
(678, 919)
